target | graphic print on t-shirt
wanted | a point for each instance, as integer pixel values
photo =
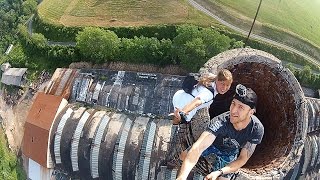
(230, 143)
(215, 126)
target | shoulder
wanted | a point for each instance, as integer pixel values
(219, 122)
(257, 131)
(179, 92)
(257, 123)
(201, 90)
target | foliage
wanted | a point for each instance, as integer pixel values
(58, 32)
(39, 40)
(146, 51)
(29, 7)
(194, 45)
(305, 76)
(237, 44)
(12, 13)
(10, 166)
(97, 44)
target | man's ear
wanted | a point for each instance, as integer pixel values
(252, 111)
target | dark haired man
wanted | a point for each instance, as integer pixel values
(229, 134)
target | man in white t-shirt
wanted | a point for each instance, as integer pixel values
(187, 104)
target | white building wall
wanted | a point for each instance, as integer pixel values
(37, 172)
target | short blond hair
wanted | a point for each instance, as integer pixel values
(224, 75)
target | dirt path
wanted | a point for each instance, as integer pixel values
(13, 119)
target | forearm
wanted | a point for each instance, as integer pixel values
(193, 104)
(189, 162)
(233, 166)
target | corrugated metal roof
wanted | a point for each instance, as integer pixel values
(63, 82)
(15, 72)
(84, 86)
(76, 139)
(97, 90)
(57, 138)
(170, 174)
(144, 161)
(140, 93)
(119, 152)
(94, 155)
(13, 76)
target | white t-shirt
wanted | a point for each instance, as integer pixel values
(181, 98)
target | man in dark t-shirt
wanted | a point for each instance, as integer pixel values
(228, 135)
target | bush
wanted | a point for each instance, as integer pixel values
(61, 33)
(194, 46)
(145, 50)
(97, 44)
(10, 166)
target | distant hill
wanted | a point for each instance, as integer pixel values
(120, 12)
(301, 17)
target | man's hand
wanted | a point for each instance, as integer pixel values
(176, 113)
(204, 141)
(213, 176)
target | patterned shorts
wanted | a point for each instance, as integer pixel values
(221, 159)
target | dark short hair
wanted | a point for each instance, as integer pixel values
(246, 96)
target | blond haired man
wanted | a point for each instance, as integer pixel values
(201, 95)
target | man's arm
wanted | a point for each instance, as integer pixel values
(245, 154)
(204, 141)
(191, 105)
(187, 108)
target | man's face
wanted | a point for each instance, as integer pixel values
(222, 86)
(239, 111)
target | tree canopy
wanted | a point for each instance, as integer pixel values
(97, 44)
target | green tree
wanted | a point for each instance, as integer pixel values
(17, 57)
(194, 46)
(166, 53)
(290, 67)
(305, 75)
(195, 54)
(237, 44)
(146, 50)
(126, 50)
(29, 7)
(97, 44)
(39, 40)
(214, 42)
(10, 167)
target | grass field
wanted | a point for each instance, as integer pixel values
(301, 17)
(120, 12)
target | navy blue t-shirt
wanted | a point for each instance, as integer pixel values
(228, 139)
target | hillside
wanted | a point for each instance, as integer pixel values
(300, 17)
(294, 23)
(120, 12)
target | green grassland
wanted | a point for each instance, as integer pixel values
(296, 16)
(120, 12)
